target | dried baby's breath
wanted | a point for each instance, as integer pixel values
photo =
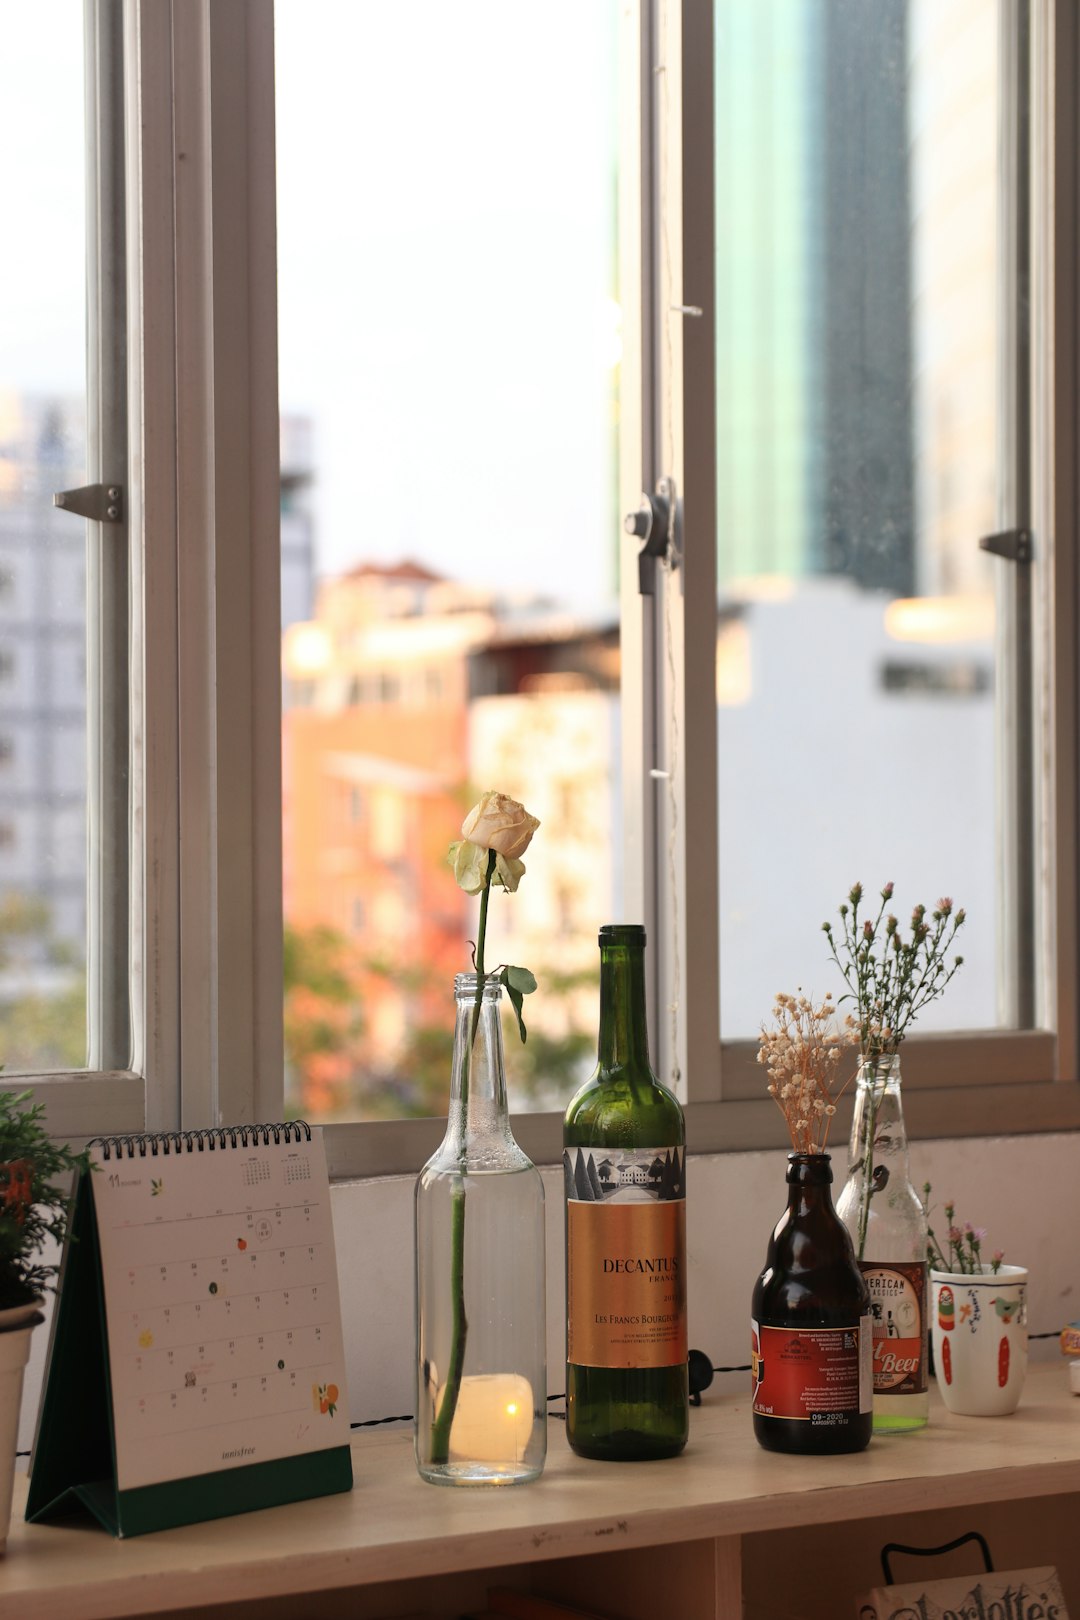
(804, 1055)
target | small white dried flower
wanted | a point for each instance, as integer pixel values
(801, 1055)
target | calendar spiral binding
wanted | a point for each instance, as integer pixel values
(163, 1143)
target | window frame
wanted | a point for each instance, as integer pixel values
(104, 1095)
(1007, 1081)
(204, 915)
(970, 1083)
(205, 906)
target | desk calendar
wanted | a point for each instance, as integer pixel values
(197, 1365)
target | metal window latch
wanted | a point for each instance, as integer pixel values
(1015, 545)
(101, 503)
(654, 524)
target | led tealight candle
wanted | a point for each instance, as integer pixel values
(494, 1419)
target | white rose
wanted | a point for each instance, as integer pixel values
(499, 823)
(470, 866)
(508, 872)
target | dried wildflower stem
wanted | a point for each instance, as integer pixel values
(964, 1244)
(875, 1073)
(889, 978)
(802, 1055)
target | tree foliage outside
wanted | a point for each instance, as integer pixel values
(323, 1020)
(42, 990)
(334, 1065)
(333, 1068)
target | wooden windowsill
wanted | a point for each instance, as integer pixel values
(394, 1528)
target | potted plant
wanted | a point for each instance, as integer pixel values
(978, 1320)
(35, 1174)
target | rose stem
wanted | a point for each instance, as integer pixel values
(459, 1327)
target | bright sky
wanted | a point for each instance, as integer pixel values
(446, 254)
(42, 322)
(446, 245)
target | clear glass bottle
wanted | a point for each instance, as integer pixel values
(885, 1216)
(481, 1399)
(811, 1332)
(627, 1394)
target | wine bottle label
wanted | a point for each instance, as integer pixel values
(898, 1304)
(818, 1375)
(625, 1257)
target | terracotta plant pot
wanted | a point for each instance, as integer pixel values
(16, 1327)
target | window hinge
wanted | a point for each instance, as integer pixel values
(654, 523)
(1013, 544)
(101, 503)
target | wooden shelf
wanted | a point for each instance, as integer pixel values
(393, 1529)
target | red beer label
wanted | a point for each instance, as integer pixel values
(814, 1375)
(898, 1304)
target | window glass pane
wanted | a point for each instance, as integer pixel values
(42, 550)
(857, 468)
(449, 335)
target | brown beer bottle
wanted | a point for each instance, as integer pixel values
(812, 1333)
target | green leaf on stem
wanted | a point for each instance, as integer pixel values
(519, 983)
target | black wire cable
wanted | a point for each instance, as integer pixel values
(407, 1417)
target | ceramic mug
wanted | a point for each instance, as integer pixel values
(979, 1324)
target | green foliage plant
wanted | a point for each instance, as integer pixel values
(34, 1198)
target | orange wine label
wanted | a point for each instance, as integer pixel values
(898, 1304)
(818, 1375)
(625, 1258)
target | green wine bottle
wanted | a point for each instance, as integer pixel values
(627, 1396)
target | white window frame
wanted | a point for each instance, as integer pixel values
(203, 497)
(204, 501)
(971, 1083)
(204, 332)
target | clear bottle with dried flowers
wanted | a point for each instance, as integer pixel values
(890, 975)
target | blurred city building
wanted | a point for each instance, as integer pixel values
(876, 763)
(406, 695)
(856, 288)
(297, 522)
(814, 364)
(42, 681)
(953, 115)
(43, 713)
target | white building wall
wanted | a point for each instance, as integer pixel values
(828, 777)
